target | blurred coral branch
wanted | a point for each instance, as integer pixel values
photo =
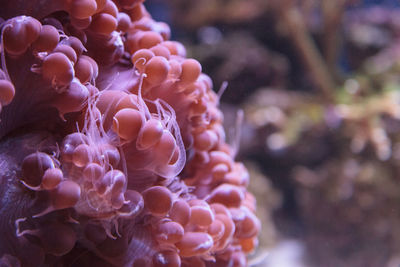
(294, 22)
(332, 13)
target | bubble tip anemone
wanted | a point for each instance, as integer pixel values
(134, 169)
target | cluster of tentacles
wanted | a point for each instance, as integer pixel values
(112, 149)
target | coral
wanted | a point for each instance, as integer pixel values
(112, 149)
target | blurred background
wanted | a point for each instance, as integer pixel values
(319, 84)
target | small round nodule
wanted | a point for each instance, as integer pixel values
(140, 58)
(34, 166)
(175, 69)
(118, 179)
(33, 28)
(58, 68)
(117, 200)
(7, 92)
(76, 44)
(47, 40)
(19, 33)
(175, 48)
(201, 215)
(169, 232)
(180, 212)
(93, 172)
(127, 123)
(216, 230)
(128, 101)
(82, 155)
(66, 195)
(103, 23)
(124, 22)
(206, 140)
(149, 39)
(249, 226)
(82, 9)
(228, 195)
(158, 200)
(68, 51)
(156, 69)
(81, 23)
(150, 134)
(191, 70)
(194, 244)
(160, 50)
(69, 144)
(110, 154)
(83, 70)
(165, 148)
(51, 178)
(229, 230)
(110, 8)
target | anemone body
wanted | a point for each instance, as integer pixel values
(112, 150)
